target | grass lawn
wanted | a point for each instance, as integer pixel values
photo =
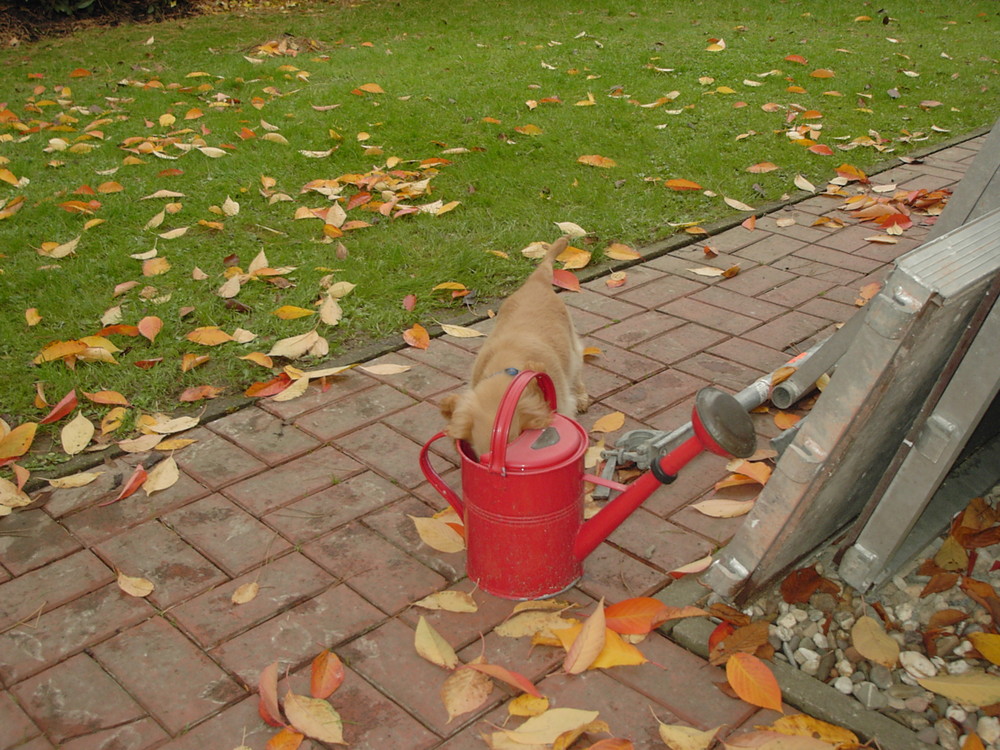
(210, 171)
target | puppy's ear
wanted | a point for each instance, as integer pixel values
(535, 412)
(448, 404)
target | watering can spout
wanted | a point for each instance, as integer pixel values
(720, 426)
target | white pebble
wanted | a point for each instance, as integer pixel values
(844, 685)
(821, 641)
(916, 664)
(956, 714)
(800, 614)
(845, 667)
(959, 667)
(904, 611)
(802, 655)
(988, 729)
(786, 621)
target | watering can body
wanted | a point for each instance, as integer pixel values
(523, 502)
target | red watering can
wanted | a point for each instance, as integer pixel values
(523, 507)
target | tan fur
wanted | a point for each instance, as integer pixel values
(533, 332)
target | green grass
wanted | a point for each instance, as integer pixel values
(444, 67)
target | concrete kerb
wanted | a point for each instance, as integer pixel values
(805, 693)
(223, 406)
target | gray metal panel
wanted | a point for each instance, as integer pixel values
(834, 463)
(979, 190)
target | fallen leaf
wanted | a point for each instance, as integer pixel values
(801, 725)
(247, 592)
(545, 728)
(66, 405)
(636, 615)
(680, 737)
(437, 534)
(609, 422)
(149, 327)
(326, 674)
(77, 434)
(619, 251)
(162, 476)
(209, 336)
(972, 688)
(267, 687)
(315, 718)
(465, 690)
(80, 479)
(432, 647)
(681, 184)
(724, 508)
(449, 601)
(595, 160)
(417, 336)
(460, 331)
(872, 642)
(588, 644)
(753, 682)
(138, 587)
(515, 679)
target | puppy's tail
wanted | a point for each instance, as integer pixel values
(554, 250)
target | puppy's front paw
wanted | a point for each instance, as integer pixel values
(582, 403)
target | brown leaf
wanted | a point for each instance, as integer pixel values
(746, 639)
(801, 584)
(247, 592)
(938, 583)
(871, 641)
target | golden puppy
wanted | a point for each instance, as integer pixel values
(533, 332)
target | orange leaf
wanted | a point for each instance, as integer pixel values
(371, 88)
(565, 280)
(199, 392)
(679, 184)
(190, 361)
(762, 167)
(638, 615)
(822, 73)
(514, 679)
(209, 336)
(849, 172)
(270, 387)
(796, 59)
(750, 223)
(783, 419)
(155, 266)
(60, 410)
(822, 149)
(149, 327)
(286, 739)
(110, 187)
(327, 674)
(79, 73)
(134, 482)
(756, 470)
(17, 442)
(417, 337)
(120, 329)
(753, 681)
(113, 398)
(595, 160)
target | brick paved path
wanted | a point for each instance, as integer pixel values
(310, 498)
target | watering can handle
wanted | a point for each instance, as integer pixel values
(505, 413)
(435, 479)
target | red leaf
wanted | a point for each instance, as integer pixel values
(267, 686)
(61, 409)
(722, 631)
(409, 302)
(327, 674)
(514, 679)
(894, 220)
(269, 387)
(134, 482)
(122, 329)
(822, 149)
(566, 280)
(635, 616)
(145, 364)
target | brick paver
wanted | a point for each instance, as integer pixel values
(311, 499)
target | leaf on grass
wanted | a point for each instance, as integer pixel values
(77, 434)
(803, 184)
(149, 327)
(315, 718)
(209, 336)
(595, 160)
(432, 647)
(753, 681)
(449, 601)
(295, 347)
(66, 405)
(326, 675)
(162, 476)
(465, 690)
(199, 393)
(681, 184)
(291, 312)
(872, 642)
(245, 593)
(133, 586)
(738, 205)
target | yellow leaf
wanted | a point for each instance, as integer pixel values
(800, 725)
(465, 690)
(245, 593)
(209, 336)
(872, 642)
(973, 688)
(290, 312)
(76, 435)
(450, 601)
(259, 358)
(31, 316)
(162, 476)
(545, 728)
(588, 643)
(615, 652)
(112, 420)
(619, 251)
(371, 88)
(609, 422)
(80, 479)
(988, 644)
(438, 535)
(315, 718)
(432, 647)
(680, 737)
(460, 331)
(527, 705)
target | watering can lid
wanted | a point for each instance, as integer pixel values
(539, 449)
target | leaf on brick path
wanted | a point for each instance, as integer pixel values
(568, 738)
(951, 555)
(681, 184)
(545, 728)
(697, 566)
(326, 674)
(449, 601)
(565, 280)
(438, 535)
(76, 434)
(724, 508)
(753, 681)
(417, 336)
(291, 312)
(177, 424)
(460, 332)
(386, 368)
(596, 160)
(759, 471)
(588, 643)
(616, 652)
(799, 585)
(515, 679)
(738, 205)
(162, 476)
(785, 419)
(245, 593)
(872, 642)
(620, 251)
(66, 405)
(80, 479)
(609, 422)
(297, 388)
(11, 496)
(972, 688)
(286, 739)
(637, 615)
(531, 622)
(745, 639)
(106, 398)
(765, 739)
(315, 718)
(432, 647)
(135, 586)
(680, 737)
(465, 690)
